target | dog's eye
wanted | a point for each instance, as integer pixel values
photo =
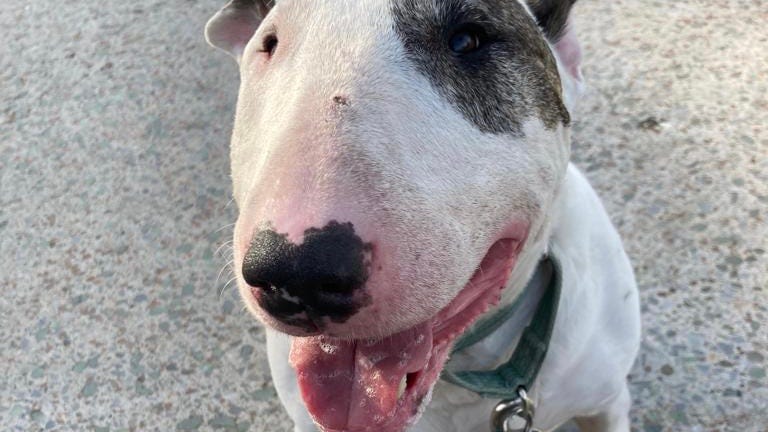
(466, 40)
(270, 44)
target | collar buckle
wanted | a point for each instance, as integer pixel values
(520, 409)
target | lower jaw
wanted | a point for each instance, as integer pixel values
(482, 293)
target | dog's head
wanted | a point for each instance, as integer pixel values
(393, 162)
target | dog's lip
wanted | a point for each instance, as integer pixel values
(472, 302)
(481, 293)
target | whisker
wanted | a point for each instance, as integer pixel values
(224, 227)
(221, 293)
(226, 266)
(225, 244)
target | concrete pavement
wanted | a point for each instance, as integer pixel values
(115, 196)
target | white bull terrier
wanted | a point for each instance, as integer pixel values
(401, 169)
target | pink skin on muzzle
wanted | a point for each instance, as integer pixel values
(375, 370)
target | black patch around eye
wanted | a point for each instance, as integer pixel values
(512, 77)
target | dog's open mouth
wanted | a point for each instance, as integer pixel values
(382, 385)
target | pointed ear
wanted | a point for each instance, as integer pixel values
(552, 16)
(234, 25)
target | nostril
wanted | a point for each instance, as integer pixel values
(268, 260)
(254, 281)
(254, 275)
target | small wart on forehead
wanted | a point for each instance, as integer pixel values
(510, 77)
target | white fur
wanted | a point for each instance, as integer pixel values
(401, 161)
(593, 346)
(422, 184)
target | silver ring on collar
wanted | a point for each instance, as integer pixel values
(521, 407)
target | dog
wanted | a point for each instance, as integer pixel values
(401, 170)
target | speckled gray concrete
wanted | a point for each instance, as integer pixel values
(114, 197)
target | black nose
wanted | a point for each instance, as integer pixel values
(303, 285)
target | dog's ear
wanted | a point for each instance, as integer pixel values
(234, 25)
(553, 19)
(552, 16)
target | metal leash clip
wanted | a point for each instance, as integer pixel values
(520, 408)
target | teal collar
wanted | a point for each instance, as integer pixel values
(520, 371)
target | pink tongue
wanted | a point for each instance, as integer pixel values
(349, 385)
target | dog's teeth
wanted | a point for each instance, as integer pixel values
(401, 388)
